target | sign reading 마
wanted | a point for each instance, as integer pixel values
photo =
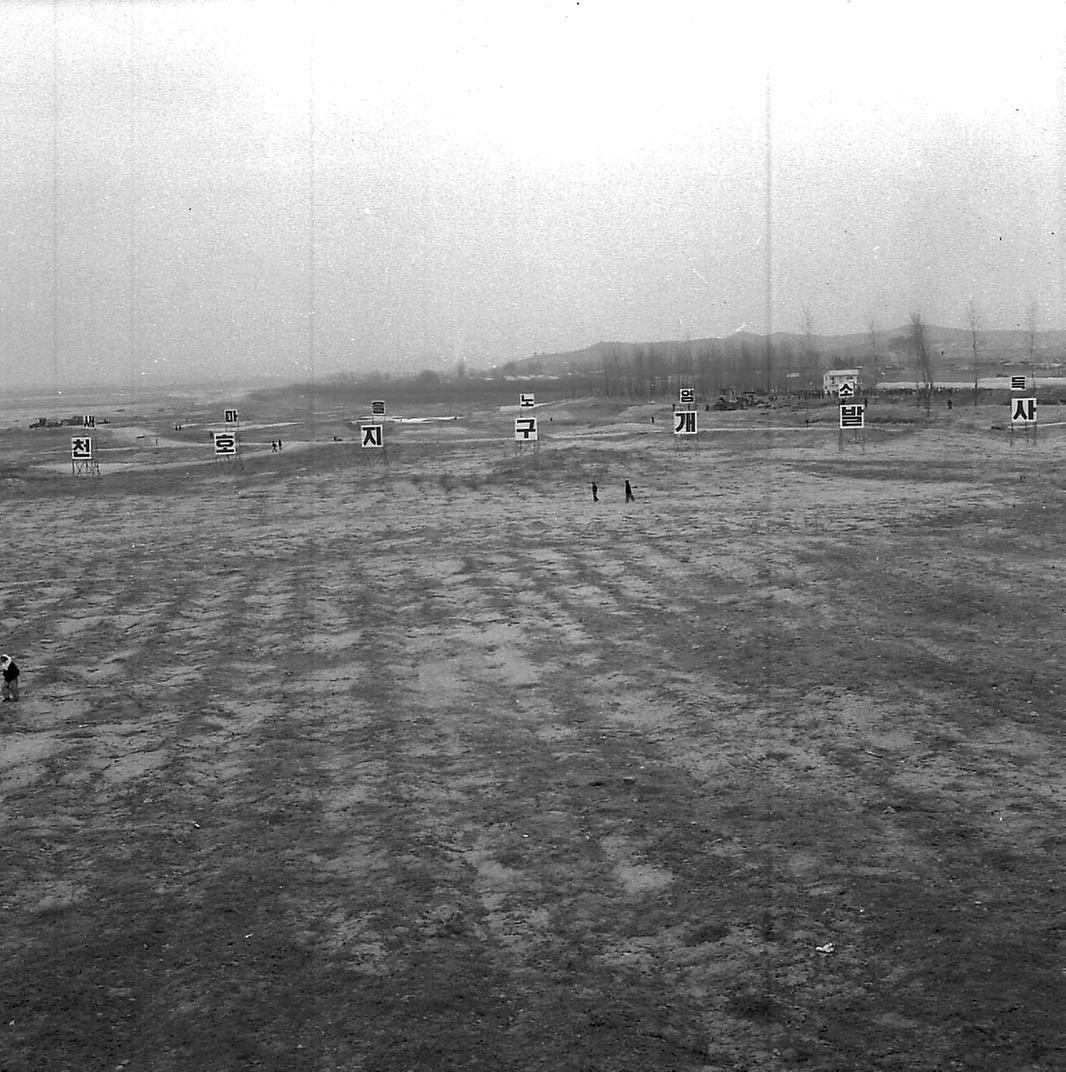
(1023, 411)
(685, 422)
(232, 416)
(525, 429)
(372, 435)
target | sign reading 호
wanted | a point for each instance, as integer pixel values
(525, 429)
(1023, 411)
(687, 396)
(1018, 383)
(685, 422)
(372, 436)
(853, 415)
(377, 409)
(81, 449)
(526, 400)
(225, 444)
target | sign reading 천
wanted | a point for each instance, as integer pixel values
(525, 400)
(1023, 411)
(81, 448)
(853, 415)
(1018, 383)
(372, 435)
(225, 444)
(685, 422)
(525, 429)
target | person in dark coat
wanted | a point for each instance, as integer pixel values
(630, 497)
(10, 688)
(595, 489)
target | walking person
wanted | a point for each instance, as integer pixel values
(10, 688)
(595, 489)
(630, 497)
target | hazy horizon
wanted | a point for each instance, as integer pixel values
(205, 191)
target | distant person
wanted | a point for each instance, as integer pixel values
(595, 490)
(630, 497)
(949, 401)
(10, 688)
(273, 446)
(279, 444)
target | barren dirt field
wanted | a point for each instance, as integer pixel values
(324, 764)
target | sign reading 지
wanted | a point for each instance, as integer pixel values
(372, 436)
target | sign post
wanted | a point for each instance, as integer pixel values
(853, 417)
(82, 459)
(1023, 416)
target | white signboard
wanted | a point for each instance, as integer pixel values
(853, 416)
(687, 396)
(231, 416)
(377, 408)
(225, 444)
(1023, 411)
(525, 429)
(81, 448)
(1018, 383)
(372, 435)
(88, 421)
(846, 389)
(685, 422)
(525, 400)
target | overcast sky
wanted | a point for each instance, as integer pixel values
(207, 188)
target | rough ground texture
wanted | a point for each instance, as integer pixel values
(330, 765)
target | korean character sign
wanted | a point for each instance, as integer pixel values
(232, 416)
(377, 407)
(685, 422)
(853, 415)
(225, 444)
(526, 400)
(525, 429)
(1023, 411)
(372, 435)
(686, 396)
(1018, 383)
(81, 448)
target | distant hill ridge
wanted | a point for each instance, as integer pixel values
(950, 347)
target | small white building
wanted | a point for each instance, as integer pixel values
(832, 380)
